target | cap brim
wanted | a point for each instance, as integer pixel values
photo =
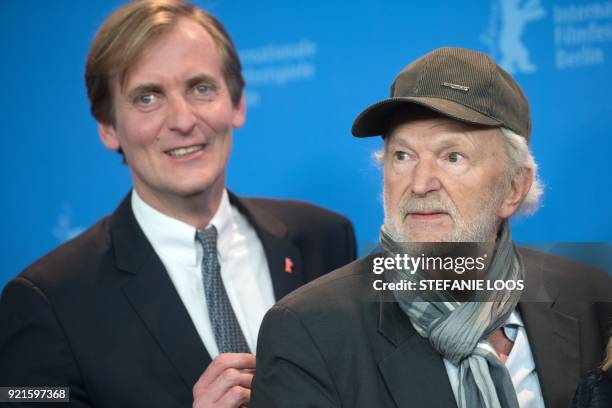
(374, 120)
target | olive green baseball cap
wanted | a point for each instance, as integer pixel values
(462, 84)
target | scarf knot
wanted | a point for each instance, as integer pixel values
(460, 331)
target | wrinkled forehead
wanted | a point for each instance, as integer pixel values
(426, 125)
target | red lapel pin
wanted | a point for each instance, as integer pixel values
(288, 265)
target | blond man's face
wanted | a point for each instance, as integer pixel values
(174, 116)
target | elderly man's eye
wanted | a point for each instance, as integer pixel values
(401, 156)
(455, 157)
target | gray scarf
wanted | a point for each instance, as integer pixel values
(460, 331)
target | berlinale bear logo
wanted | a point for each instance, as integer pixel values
(504, 35)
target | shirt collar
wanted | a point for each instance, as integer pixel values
(515, 318)
(224, 222)
(175, 239)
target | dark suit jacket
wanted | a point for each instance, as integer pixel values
(101, 315)
(334, 343)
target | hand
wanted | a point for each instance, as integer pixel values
(226, 383)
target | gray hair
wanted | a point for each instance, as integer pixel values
(519, 158)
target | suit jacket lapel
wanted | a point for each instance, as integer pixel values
(284, 258)
(414, 371)
(153, 295)
(553, 337)
(155, 299)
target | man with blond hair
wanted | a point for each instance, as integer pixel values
(159, 304)
(499, 326)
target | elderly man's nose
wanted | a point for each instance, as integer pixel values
(424, 177)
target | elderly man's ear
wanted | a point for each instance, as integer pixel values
(518, 189)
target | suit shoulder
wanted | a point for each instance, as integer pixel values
(568, 274)
(561, 266)
(335, 290)
(311, 228)
(68, 261)
(296, 210)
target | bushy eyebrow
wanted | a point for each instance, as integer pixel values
(392, 141)
(445, 144)
(144, 89)
(442, 144)
(152, 87)
(202, 78)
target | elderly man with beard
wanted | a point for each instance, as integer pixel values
(457, 166)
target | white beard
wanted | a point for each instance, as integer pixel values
(482, 229)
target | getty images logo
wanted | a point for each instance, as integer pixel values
(504, 34)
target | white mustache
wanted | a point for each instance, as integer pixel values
(426, 205)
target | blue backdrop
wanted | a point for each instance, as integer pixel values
(311, 67)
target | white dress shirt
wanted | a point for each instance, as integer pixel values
(520, 365)
(244, 267)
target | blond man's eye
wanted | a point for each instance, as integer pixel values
(146, 100)
(202, 89)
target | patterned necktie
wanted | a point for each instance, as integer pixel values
(226, 329)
